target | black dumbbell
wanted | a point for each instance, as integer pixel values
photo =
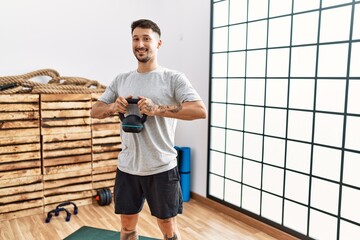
(104, 197)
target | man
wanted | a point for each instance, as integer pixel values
(147, 163)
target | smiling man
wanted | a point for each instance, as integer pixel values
(147, 165)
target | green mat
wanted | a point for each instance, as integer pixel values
(90, 233)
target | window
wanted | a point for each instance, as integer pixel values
(285, 118)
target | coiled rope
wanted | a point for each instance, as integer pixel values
(56, 85)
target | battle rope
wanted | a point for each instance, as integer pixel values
(56, 85)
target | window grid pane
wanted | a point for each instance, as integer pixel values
(284, 123)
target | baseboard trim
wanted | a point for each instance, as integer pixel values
(274, 232)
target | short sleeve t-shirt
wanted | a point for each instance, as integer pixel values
(152, 150)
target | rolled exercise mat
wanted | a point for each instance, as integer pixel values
(178, 157)
(184, 170)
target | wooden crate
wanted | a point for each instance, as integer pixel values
(73, 185)
(20, 160)
(66, 148)
(20, 197)
(106, 145)
(51, 151)
(19, 136)
(65, 113)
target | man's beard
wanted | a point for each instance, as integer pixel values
(143, 60)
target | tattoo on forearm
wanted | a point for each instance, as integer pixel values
(170, 238)
(130, 236)
(173, 109)
(150, 108)
(107, 114)
(176, 108)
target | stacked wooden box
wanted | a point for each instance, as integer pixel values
(52, 151)
(66, 148)
(106, 145)
(21, 186)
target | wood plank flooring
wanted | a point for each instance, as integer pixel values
(198, 222)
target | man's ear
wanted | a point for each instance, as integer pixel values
(159, 43)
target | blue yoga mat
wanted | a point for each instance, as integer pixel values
(184, 170)
(91, 233)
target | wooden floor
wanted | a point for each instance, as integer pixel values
(196, 223)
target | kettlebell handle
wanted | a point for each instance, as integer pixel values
(133, 101)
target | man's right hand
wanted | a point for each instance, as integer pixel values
(120, 105)
(103, 110)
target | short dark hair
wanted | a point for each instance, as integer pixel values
(145, 23)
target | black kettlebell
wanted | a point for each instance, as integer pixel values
(132, 123)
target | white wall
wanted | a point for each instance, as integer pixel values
(91, 39)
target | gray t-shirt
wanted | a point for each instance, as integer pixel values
(152, 150)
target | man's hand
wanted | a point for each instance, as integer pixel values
(147, 106)
(120, 105)
(103, 110)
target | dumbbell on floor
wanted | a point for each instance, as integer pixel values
(104, 197)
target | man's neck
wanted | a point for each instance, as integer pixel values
(146, 67)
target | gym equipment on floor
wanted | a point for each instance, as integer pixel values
(104, 196)
(56, 212)
(184, 166)
(60, 208)
(64, 204)
(91, 233)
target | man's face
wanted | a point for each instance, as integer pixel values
(145, 44)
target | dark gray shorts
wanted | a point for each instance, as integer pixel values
(162, 192)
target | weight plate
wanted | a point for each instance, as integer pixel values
(109, 195)
(106, 197)
(102, 197)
